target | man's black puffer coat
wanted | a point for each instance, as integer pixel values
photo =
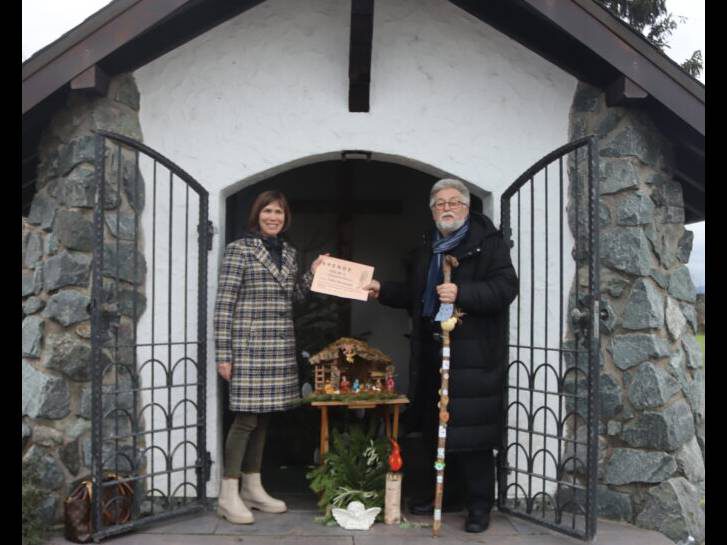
(486, 284)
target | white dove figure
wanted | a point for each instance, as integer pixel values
(355, 516)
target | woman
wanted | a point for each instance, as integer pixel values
(255, 348)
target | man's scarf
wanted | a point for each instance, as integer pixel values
(440, 245)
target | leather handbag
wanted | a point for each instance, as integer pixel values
(115, 507)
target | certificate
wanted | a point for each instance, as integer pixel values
(342, 278)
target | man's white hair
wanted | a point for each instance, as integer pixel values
(446, 183)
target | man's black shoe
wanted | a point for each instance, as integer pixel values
(477, 521)
(426, 507)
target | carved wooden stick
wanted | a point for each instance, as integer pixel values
(448, 325)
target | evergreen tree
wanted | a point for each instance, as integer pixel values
(653, 20)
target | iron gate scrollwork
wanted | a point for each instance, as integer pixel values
(148, 337)
(547, 466)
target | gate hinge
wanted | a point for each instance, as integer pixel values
(209, 232)
(205, 465)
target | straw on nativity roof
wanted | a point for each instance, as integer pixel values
(359, 348)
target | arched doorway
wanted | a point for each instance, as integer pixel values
(366, 210)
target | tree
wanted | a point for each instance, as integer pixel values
(653, 20)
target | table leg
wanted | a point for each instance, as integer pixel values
(324, 431)
(387, 423)
(396, 421)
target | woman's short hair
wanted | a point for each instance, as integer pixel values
(262, 200)
(446, 183)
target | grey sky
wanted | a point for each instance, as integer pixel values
(44, 21)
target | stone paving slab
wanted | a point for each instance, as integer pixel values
(297, 527)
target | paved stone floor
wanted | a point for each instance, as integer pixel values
(297, 527)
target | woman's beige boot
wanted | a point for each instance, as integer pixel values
(229, 504)
(254, 494)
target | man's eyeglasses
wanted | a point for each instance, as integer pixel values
(453, 205)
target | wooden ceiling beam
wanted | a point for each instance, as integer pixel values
(92, 80)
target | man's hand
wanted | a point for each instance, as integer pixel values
(373, 287)
(225, 370)
(317, 262)
(447, 293)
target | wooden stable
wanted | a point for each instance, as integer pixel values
(353, 359)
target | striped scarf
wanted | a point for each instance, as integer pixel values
(440, 245)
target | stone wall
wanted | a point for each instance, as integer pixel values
(57, 239)
(652, 375)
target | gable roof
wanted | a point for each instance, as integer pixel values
(579, 36)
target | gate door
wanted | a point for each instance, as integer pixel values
(148, 337)
(548, 460)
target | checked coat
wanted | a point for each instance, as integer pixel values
(253, 323)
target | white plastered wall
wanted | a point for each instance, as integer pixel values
(268, 90)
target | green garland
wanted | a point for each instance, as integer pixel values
(352, 397)
(354, 469)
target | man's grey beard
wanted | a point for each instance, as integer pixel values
(450, 227)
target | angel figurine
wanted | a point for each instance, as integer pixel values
(355, 516)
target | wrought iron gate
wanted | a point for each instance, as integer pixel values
(148, 337)
(547, 467)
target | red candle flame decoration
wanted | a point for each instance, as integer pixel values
(395, 461)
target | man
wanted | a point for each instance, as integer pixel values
(483, 286)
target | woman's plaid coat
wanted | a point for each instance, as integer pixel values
(254, 325)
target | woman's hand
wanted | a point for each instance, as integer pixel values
(317, 262)
(447, 293)
(373, 287)
(225, 370)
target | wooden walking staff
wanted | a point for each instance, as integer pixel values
(448, 317)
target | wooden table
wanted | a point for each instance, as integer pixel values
(390, 406)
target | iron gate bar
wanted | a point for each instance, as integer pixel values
(586, 342)
(202, 461)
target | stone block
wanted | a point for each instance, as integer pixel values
(661, 278)
(677, 369)
(638, 466)
(611, 504)
(84, 405)
(695, 395)
(614, 428)
(38, 279)
(32, 336)
(121, 224)
(47, 510)
(626, 249)
(635, 208)
(611, 397)
(693, 351)
(71, 457)
(612, 116)
(26, 431)
(651, 386)
(127, 93)
(122, 263)
(78, 188)
(47, 437)
(611, 322)
(43, 469)
(612, 284)
(618, 175)
(587, 98)
(121, 460)
(79, 150)
(33, 305)
(667, 429)
(71, 356)
(673, 509)
(67, 269)
(43, 211)
(44, 396)
(630, 350)
(684, 246)
(644, 308)
(74, 230)
(690, 313)
(690, 462)
(68, 307)
(664, 240)
(681, 285)
(676, 323)
(27, 284)
(33, 250)
(633, 140)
